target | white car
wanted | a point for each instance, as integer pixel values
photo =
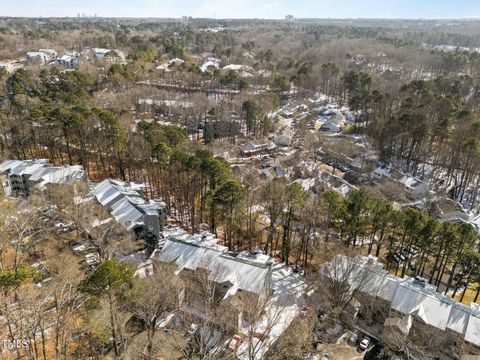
(192, 330)
(364, 343)
(234, 343)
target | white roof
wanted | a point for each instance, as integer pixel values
(41, 171)
(109, 189)
(65, 58)
(472, 333)
(7, 66)
(60, 175)
(382, 170)
(124, 202)
(37, 54)
(237, 67)
(48, 51)
(210, 62)
(9, 164)
(72, 53)
(458, 320)
(248, 276)
(408, 297)
(165, 66)
(101, 51)
(388, 288)
(126, 214)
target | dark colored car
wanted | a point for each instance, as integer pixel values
(375, 353)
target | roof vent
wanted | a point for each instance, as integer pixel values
(420, 281)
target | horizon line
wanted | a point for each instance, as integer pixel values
(217, 19)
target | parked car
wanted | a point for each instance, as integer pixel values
(415, 250)
(306, 310)
(234, 343)
(325, 357)
(405, 252)
(421, 280)
(401, 256)
(393, 258)
(191, 331)
(342, 167)
(376, 353)
(353, 339)
(364, 343)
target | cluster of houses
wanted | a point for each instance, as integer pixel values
(415, 188)
(405, 305)
(242, 281)
(418, 191)
(250, 277)
(244, 284)
(21, 178)
(69, 60)
(321, 116)
(124, 201)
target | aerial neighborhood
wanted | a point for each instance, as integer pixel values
(198, 188)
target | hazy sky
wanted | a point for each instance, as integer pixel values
(246, 8)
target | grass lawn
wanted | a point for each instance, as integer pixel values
(469, 295)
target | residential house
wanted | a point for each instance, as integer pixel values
(52, 54)
(448, 210)
(414, 187)
(292, 109)
(242, 70)
(44, 56)
(237, 67)
(282, 140)
(38, 56)
(254, 148)
(67, 61)
(72, 53)
(333, 182)
(102, 53)
(126, 203)
(334, 124)
(318, 98)
(381, 172)
(272, 172)
(7, 66)
(22, 177)
(235, 278)
(211, 62)
(412, 302)
(166, 67)
(249, 54)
